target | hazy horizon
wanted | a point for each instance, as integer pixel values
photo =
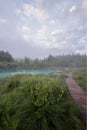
(37, 28)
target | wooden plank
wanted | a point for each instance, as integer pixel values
(79, 95)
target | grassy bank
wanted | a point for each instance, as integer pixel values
(80, 76)
(37, 103)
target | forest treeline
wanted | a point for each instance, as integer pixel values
(5, 56)
(70, 60)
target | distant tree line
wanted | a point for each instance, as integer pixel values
(74, 60)
(70, 60)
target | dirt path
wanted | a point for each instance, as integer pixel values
(78, 95)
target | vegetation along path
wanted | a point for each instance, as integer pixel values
(78, 95)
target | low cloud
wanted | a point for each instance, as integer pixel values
(18, 11)
(34, 12)
(52, 22)
(84, 4)
(27, 37)
(42, 33)
(72, 9)
(25, 29)
(26, 33)
(3, 21)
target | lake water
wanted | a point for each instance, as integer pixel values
(24, 71)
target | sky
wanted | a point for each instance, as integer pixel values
(37, 28)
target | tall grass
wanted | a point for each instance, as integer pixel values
(37, 103)
(81, 77)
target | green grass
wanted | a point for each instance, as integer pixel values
(37, 103)
(81, 77)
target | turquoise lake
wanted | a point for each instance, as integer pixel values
(24, 71)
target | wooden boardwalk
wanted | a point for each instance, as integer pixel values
(79, 95)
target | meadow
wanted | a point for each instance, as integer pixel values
(80, 75)
(38, 102)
